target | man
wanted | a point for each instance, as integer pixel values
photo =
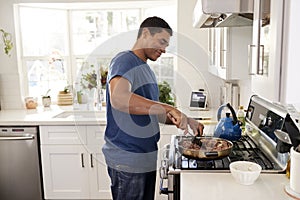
(134, 113)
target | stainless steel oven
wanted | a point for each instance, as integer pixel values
(259, 144)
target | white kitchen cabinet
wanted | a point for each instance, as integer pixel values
(228, 52)
(290, 55)
(72, 162)
(99, 179)
(74, 166)
(63, 135)
(259, 50)
(266, 49)
(64, 173)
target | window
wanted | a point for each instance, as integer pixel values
(57, 41)
(164, 69)
(44, 36)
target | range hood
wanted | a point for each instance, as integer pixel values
(221, 13)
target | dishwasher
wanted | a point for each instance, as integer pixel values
(20, 167)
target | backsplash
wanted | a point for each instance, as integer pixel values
(10, 96)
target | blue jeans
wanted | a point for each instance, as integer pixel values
(132, 186)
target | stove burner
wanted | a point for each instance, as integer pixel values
(243, 149)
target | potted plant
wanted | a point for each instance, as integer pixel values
(7, 41)
(89, 80)
(103, 74)
(165, 93)
(89, 86)
(46, 99)
(65, 97)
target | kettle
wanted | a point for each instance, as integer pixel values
(228, 127)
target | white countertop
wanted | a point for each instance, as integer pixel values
(222, 186)
(45, 116)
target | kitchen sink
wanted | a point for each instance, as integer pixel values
(81, 114)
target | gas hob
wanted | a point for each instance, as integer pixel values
(243, 149)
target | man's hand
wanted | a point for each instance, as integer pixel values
(196, 126)
(179, 119)
(182, 121)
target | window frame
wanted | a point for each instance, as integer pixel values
(69, 57)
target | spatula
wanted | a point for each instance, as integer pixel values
(196, 139)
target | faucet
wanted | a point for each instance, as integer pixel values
(99, 99)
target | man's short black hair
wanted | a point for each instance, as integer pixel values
(155, 25)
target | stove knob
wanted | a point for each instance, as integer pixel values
(193, 164)
(164, 169)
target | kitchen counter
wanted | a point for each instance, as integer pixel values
(222, 186)
(46, 116)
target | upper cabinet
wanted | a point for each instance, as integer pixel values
(265, 60)
(259, 50)
(230, 33)
(228, 52)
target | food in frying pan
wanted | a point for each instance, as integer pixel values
(211, 148)
(207, 145)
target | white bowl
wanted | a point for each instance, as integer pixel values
(245, 172)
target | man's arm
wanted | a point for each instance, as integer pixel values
(124, 100)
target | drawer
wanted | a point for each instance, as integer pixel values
(95, 135)
(63, 134)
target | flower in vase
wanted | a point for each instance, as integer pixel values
(103, 73)
(89, 80)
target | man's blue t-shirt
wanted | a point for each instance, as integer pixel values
(131, 140)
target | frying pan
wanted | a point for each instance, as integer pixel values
(211, 148)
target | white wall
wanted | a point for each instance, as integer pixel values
(9, 77)
(193, 58)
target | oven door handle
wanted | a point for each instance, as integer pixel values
(163, 190)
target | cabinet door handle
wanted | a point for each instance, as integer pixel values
(82, 160)
(256, 59)
(260, 66)
(251, 59)
(92, 162)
